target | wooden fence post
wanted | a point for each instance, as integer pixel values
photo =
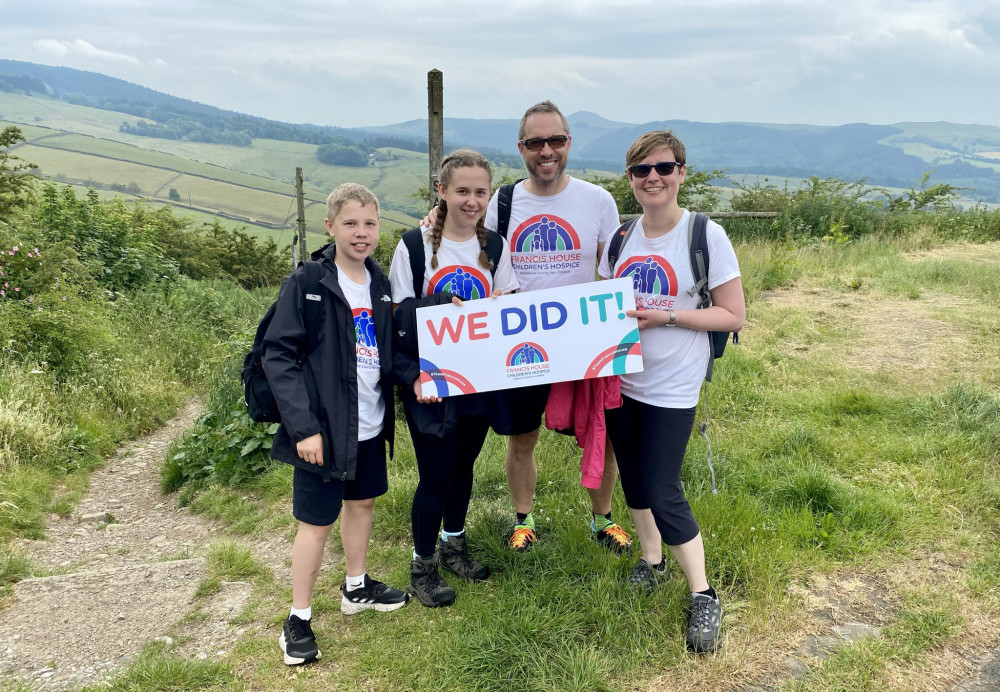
(435, 129)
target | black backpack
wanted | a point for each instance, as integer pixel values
(257, 394)
(414, 241)
(698, 251)
(506, 194)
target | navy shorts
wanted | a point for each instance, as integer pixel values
(317, 502)
(526, 406)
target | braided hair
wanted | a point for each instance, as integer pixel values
(460, 158)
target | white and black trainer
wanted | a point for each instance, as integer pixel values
(372, 595)
(298, 642)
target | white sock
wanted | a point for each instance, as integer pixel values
(446, 534)
(355, 582)
(302, 613)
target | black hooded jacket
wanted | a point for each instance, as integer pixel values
(318, 392)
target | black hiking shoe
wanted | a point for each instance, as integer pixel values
(373, 595)
(704, 623)
(427, 585)
(298, 642)
(455, 558)
(646, 576)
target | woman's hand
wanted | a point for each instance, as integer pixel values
(649, 318)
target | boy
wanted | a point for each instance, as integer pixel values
(337, 411)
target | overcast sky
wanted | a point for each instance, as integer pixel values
(365, 63)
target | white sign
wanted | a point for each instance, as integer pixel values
(551, 335)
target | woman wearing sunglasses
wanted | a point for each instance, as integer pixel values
(650, 431)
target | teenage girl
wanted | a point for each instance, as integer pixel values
(650, 431)
(447, 435)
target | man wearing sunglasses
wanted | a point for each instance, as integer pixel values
(557, 231)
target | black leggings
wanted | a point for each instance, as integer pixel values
(445, 485)
(649, 443)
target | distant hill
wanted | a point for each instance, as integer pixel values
(894, 155)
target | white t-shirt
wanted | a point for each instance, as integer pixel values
(674, 358)
(458, 271)
(553, 239)
(371, 405)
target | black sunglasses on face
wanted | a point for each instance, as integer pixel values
(642, 170)
(538, 143)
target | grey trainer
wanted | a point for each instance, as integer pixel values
(646, 576)
(704, 623)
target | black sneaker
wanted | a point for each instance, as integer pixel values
(704, 623)
(455, 558)
(372, 595)
(646, 576)
(298, 642)
(427, 585)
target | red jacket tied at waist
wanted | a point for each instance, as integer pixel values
(579, 406)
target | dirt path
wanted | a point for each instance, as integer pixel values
(125, 565)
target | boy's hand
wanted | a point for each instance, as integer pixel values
(311, 449)
(421, 399)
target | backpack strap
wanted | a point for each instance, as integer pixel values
(313, 308)
(618, 241)
(504, 198)
(493, 249)
(413, 239)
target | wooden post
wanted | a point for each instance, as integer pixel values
(435, 129)
(299, 200)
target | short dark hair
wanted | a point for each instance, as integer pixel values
(543, 107)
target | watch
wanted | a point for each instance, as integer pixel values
(673, 319)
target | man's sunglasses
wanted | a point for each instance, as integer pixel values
(642, 170)
(538, 143)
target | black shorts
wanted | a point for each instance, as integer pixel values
(317, 502)
(526, 406)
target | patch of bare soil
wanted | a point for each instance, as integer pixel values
(125, 566)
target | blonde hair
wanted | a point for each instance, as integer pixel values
(461, 158)
(647, 143)
(346, 192)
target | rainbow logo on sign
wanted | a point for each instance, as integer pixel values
(651, 275)
(465, 282)
(364, 327)
(526, 354)
(443, 380)
(544, 233)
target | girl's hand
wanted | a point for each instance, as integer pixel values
(421, 399)
(455, 300)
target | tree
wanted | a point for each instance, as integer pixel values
(174, 195)
(16, 179)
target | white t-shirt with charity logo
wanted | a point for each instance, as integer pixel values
(553, 239)
(674, 358)
(371, 405)
(458, 271)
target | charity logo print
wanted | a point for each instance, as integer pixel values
(364, 334)
(544, 233)
(465, 282)
(651, 275)
(527, 360)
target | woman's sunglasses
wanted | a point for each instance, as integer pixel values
(642, 170)
(538, 143)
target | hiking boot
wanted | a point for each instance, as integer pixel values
(612, 537)
(372, 595)
(298, 642)
(455, 558)
(523, 538)
(704, 623)
(427, 585)
(646, 576)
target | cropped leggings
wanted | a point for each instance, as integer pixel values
(445, 485)
(649, 443)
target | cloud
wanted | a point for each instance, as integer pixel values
(82, 48)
